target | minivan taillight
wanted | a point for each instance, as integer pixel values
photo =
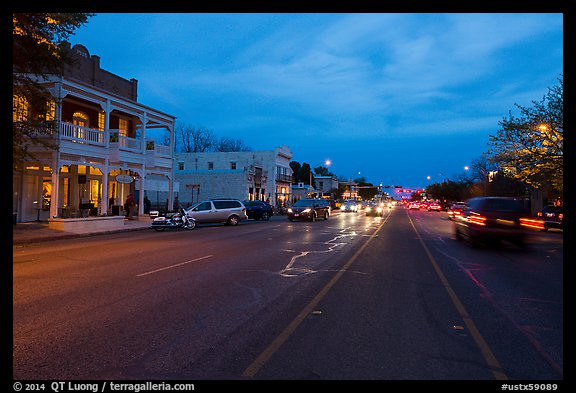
(477, 219)
(532, 223)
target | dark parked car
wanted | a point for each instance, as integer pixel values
(491, 219)
(553, 217)
(309, 209)
(258, 210)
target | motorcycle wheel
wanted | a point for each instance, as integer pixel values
(191, 225)
(159, 229)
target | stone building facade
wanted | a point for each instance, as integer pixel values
(245, 175)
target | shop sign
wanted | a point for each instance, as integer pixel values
(123, 178)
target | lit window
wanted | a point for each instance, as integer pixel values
(19, 108)
(123, 126)
(80, 119)
(101, 120)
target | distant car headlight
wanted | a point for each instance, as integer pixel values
(306, 211)
(379, 210)
(368, 209)
(290, 210)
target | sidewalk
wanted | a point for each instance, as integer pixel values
(37, 231)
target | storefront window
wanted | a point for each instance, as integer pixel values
(66, 192)
(46, 193)
(94, 191)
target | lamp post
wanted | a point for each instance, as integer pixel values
(327, 163)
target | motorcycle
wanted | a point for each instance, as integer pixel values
(174, 221)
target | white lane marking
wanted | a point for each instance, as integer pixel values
(172, 266)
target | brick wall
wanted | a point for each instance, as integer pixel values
(87, 69)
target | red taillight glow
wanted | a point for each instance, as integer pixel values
(532, 223)
(560, 216)
(477, 219)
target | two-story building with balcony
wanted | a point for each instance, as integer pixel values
(244, 175)
(104, 147)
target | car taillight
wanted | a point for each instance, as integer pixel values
(560, 216)
(532, 223)
(539, 214)
(477, 219)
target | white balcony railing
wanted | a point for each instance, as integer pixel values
(158, 150)
(81, 134)
(124, 142)
(85, 135)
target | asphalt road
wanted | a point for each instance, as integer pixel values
(353, 297)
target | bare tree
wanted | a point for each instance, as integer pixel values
(228, 144)
(191, 139)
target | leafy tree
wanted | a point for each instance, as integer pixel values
(366, 190)
(300, 172)
(530, 147)
(322, 171)
(39, 49)
(305, 174)
(296, 166)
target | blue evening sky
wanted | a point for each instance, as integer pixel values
(394, 97)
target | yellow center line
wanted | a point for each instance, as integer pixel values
(263, 358)
(487, 353)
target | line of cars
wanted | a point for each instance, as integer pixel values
(489, 220)
(232, 211)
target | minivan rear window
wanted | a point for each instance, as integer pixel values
(226, 204)
(499, 204)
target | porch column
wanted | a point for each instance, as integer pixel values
(107, 132)
(144, 119)
(104, 199)
(170, 191)
(141, 193)
(55, 197)
(171, 177)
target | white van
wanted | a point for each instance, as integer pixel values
(228, 211)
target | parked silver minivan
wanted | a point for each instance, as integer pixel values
(228, 211)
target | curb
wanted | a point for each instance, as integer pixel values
(65, 236)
